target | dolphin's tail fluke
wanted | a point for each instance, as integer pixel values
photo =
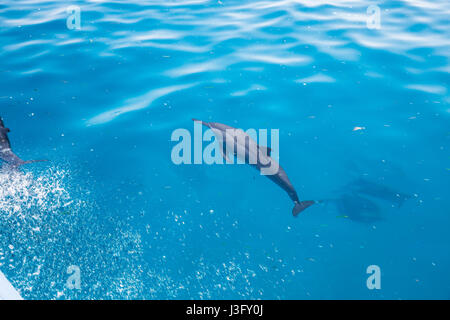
(302, 205)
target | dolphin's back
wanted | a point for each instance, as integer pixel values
(6, 153)
(220, 126)
(4, 140)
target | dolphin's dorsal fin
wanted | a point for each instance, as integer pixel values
(265, 150)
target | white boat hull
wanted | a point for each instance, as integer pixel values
(7, 291)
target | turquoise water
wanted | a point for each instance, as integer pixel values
(363, 117)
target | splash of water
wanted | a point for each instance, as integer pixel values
(48, 222)
(21, 192)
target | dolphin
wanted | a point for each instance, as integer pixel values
(240, 144)
(356, 207)
(379, 191)
(6, 153)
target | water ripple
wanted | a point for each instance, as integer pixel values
(136, 104)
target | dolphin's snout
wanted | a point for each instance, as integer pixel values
(201, 122)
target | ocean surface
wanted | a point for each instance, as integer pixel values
(362, 106)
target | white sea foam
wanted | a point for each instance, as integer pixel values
(49, 223)
(23, 191)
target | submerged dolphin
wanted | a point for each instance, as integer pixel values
(379, 191)
(356, 207)
(238, 143)
(6, 153)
